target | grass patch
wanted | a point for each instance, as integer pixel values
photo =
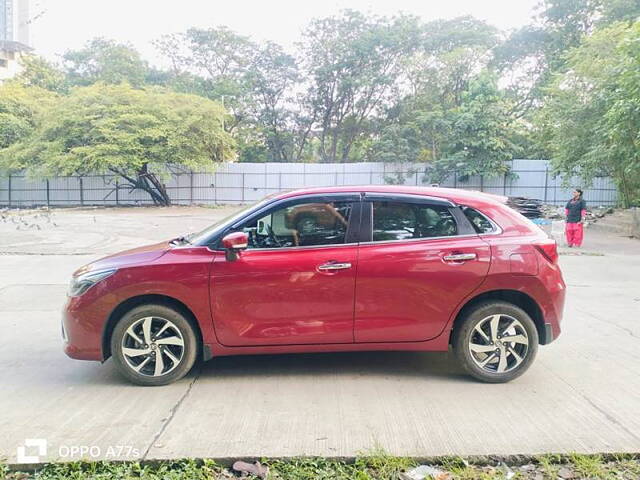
(589, 466)
(374, 465)
(549, 464)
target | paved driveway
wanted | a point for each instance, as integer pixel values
(582, 394)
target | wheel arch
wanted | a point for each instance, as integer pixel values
(138, 300)
(514, 297)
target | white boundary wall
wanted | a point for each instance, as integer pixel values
(248, 182)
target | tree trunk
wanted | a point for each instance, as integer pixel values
(156, 189)
(147, 182)
(624, 190)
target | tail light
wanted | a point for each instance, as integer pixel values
(549, 249)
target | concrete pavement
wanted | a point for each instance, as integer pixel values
(581, 394)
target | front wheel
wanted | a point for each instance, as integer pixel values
(496, 342)
(153, 345)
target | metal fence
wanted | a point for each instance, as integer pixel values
(248, 182)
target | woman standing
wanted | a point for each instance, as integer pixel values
(575, 211)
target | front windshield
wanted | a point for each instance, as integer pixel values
(201, 238)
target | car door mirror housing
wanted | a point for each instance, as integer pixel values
(233, 243)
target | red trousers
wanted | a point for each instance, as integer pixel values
(574, 233)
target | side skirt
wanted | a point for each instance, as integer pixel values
(438, 344)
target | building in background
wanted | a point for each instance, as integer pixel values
(6, 20)
(14, 36)
(14, 21)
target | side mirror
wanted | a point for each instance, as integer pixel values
(233, 243)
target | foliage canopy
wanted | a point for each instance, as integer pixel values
(591, 122)
(456, 95)
(134, 133)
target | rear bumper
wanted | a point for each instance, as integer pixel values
(548, 335)
(551, 303)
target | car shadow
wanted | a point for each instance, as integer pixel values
(441, 366)
(363, 364)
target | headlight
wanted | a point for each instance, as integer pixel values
(85, 281)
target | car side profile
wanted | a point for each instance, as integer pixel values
(328, 270)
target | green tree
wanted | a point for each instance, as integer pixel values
(19, 111)
(414, 131)
(568, 21)
(481, 136)
(522, 63)
(38, 72)
(353, 63)
(271, 76)
(106, 61)
(591, 121)
(255, 82)
(528, 59)
(475, 137)
(221, 57)
(450, 54)
(442, 120)
(136, 134)
(619, 11)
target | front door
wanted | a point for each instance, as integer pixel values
(295, 282)
(414, 271)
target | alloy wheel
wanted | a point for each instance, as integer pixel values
(153, 346)
(498, 343)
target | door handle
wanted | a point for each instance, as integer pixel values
(460, 257)
(334, 266)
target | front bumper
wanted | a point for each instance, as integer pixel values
(82, 339)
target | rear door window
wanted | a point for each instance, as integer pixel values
(395, 220)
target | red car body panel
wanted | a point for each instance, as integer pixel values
(280, 297)
(398, 295)
(406, 291)
(178, 273)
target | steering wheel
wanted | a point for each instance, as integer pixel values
(272, 236)
(253, 238)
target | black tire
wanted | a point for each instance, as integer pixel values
(465, 335)
(179, 327)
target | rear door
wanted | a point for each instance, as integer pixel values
(295, 283)
(418, 259)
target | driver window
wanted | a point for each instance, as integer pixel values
(301, 225)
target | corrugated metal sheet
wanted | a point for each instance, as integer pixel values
(247, 182)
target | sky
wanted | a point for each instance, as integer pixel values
(60, 25)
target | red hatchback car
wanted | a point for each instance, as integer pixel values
(326, 270)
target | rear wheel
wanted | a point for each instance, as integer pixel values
(496, 342)
(153, 345)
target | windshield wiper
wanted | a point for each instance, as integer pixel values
(183, 239)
